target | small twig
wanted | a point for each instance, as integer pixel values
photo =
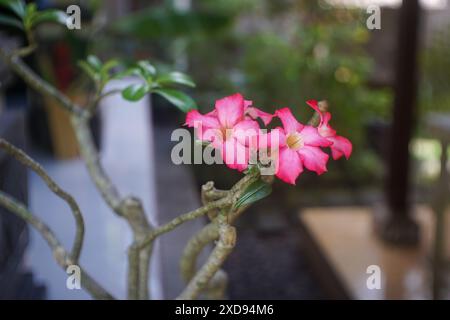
(60, 254)
(39, 84)
(184, 218)
(25, 51)
(98, 96)
(23, 158)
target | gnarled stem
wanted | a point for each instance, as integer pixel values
(223, 248)
(131, 208)
(212, 232)
(38, 84)
(80, 120)
(23, 158)
(60, 254)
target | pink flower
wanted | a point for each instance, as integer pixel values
(299, 147)
(251, 113)
(254, 113)
(228, 128)
(341, 146)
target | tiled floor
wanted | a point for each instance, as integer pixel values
(346, 237)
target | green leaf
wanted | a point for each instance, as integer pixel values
(148, 70)
(30, 14)
(94, 62)
(176, 78)
(10, 21)
(89, 70)
(256, 191)
(50, 15)
(16, 6)
(124, 73)
(106, 68)
(177, 98)
(110, 64)
(135, 92)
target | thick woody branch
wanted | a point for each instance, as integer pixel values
(195, 246)
(80, 120)
(23, 158)
(91, 157)
(133, 272)
(60, 254)
(130, 208)
(188, 262)
(210, 233)
(223, 248)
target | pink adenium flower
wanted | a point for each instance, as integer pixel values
(341, 146)
(231, 128)
(299, 147)
(226, 128)
(251, 113)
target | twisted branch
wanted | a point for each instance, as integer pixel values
(60, 254)
(223, 248)
(80, 119)
(23, 158)
(40, 85)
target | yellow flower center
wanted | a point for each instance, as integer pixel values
(295, 141)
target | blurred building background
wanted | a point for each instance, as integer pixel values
(388, 91)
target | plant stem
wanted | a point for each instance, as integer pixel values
(80, 117)
(223, 248)
(40, 85)
(183, 218)
(91, 157)
(59, 253)
(23, 158)
(133, 272)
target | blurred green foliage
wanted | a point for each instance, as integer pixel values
(276, 53)
(283, 53)
(435, 84)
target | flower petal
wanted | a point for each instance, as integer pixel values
(325, 129)
(211, 134)
(289, 166)
(275, 139)
(311, 137)
(245, 131)
(255, 113)
(341, 146)
(212, 113)
(315, 105)
(230, 110)
(314, 159)
(194, 117)
(234, 154)
(290, 124)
